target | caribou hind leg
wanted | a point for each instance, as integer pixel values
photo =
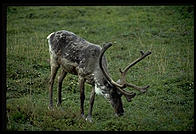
(54, 69)
(60, 81)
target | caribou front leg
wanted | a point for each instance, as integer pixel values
(82, 95)
(91, 102)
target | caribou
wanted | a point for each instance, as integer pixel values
(79, 57)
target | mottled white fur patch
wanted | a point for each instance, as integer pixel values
(98, 90)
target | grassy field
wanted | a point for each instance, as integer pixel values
(167, 31)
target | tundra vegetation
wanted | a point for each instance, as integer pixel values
(167, 31)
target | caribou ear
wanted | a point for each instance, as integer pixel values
(129, 97)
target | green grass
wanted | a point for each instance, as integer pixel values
(167, 31)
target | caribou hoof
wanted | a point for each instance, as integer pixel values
(89, 119)
(58, 105)
(50, 107)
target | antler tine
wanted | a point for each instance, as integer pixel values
(136, 61)
(123, 72)
(141, 89)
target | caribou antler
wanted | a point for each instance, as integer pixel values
(120, 84)
(122, 80)
(127, 94)
(106, 46)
